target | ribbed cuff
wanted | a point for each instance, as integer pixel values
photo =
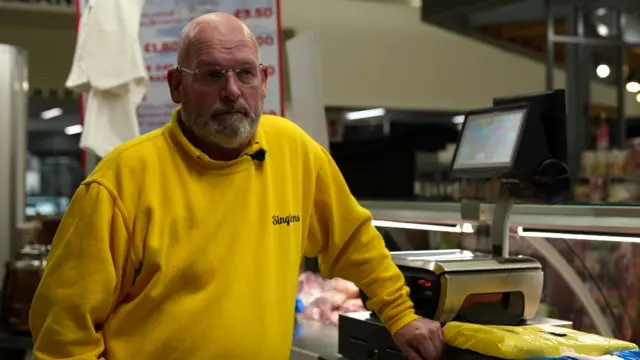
(401, 320)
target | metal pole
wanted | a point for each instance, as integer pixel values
(594, 41)
(621, 56)
(585, 67)
(579, 22)
(13, 148)
(499, 231)
(551, 29)
(577, 105)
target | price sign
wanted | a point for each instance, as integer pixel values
(254, 13)
(262, 18)
(265, 40)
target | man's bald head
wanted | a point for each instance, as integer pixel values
(219, 83)
(210, 27)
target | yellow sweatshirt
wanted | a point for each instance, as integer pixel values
(167, 254)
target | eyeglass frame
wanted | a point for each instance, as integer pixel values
(196, 72)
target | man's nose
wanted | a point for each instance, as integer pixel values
(231, 87)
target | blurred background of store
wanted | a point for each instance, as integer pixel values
(398, 76)
(457, 58)
(54, 164)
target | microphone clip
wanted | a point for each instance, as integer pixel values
(258, 155)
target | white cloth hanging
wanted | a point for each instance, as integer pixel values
(108, 65)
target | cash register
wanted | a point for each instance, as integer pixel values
(521, 141)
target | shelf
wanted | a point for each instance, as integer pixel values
(592, 218)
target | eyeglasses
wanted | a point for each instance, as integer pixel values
(249, 75)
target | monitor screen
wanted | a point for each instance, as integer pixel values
(489, 139)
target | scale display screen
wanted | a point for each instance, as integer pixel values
(489, 139)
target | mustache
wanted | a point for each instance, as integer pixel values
(230, 108)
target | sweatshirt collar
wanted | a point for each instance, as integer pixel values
(199, 158)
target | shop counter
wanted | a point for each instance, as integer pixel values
(315, 340)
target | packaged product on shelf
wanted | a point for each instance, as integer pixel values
(623, 191)
(633, 158)
(597, 189)
(602, 157)
(582, 191)
(587, 162)
(617, 162)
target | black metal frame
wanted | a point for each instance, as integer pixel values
(622, 5)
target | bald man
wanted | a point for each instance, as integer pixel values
(185, 243)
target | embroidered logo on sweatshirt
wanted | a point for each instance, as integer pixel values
(285, 220)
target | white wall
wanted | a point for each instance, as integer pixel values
(382, 55)
(48, 37)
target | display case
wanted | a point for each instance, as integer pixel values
(590, 254)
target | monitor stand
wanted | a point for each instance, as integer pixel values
(492, 224)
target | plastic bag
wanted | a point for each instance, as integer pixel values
(621, 355)
(628, 355)
(529, 342)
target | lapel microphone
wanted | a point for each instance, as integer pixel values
(258, 155)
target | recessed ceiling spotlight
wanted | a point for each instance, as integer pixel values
(603, 71)
(603, 30)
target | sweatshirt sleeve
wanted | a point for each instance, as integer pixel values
(84, 276)
(350, 247)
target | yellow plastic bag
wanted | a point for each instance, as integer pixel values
(529, 342)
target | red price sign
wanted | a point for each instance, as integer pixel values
(257, 13)
(265, 40)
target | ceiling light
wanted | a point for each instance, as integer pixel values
(573, 236)
(51, 113)
(365, 114)
(638, 98)
(633, 86)
(458, 119)
(603, 71)
(465, 228)
(73, 129)
(601, 12)
(603, 30)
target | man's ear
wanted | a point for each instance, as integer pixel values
(174, 79)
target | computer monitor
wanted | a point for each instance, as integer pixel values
(553, 116)
(489, 142)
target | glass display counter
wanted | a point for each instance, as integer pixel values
(590, 254)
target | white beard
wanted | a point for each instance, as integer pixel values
(228, 131)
